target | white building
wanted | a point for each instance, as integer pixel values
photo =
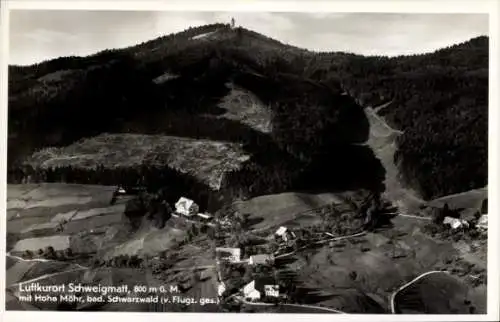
(186, 207)
(228, 254)
(250, 292)
(272, 290)
(455, 223)
(261, 259)
(221, 288)
(482, 223)
(284, 233)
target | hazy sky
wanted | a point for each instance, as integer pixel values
(39, 35)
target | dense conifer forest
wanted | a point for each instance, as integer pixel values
(438, 100)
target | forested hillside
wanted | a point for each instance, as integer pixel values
(439, 101)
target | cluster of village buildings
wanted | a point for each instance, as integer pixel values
(457, 223)
(256, 289)
(260, 287)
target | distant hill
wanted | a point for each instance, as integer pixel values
(180, 85)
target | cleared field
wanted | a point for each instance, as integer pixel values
(358, 275)
(275, 210)
(78, 208)
(119, 208)
(48, 225)
(17, 272)
(160, 240)
(243, 106)
(149, 243)
(437, 293)
(38, 270)
(204, 159)
(60, 242)
(64, 216)
(18, 190)
(468, 202)
(43, 191)
(94, 223)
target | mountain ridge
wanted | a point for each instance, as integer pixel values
(428, 92)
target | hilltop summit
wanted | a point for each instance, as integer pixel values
(180, 84)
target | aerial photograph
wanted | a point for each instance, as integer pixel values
(247, 162)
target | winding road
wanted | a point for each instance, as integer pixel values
(294, 305)
(393, 295)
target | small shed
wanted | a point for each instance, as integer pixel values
(455, 223)
(221, 288)
(261, 259)
(284, 233)
(186, 207)
(482, 223)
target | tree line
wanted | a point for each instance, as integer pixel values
(172, 183)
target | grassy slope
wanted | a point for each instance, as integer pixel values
(109, 240)
(438, 294)
(272, 211)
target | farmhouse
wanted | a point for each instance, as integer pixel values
(250, 292)
(221, 288)
(455, 223)
(261, 259)
(272, 290)
(482, 223)
(186, 207)
(259, 288)
(284, 234)
(228, 254)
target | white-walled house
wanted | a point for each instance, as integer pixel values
(250, 292)
(482, 223)
(455, 223)
(261, 259)
(186, 207)
(260, 288)
(284, 234)
(221, 288)
(272, 290)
